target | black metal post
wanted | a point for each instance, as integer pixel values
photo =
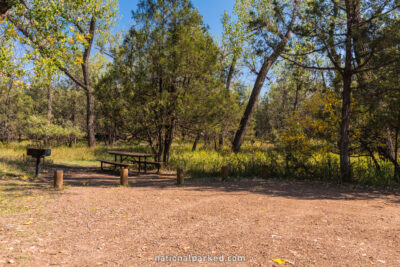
(37, 167)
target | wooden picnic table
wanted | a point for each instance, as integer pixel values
(135, 157)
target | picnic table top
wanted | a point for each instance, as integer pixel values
(131, 154)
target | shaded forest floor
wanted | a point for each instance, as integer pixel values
(94, 222)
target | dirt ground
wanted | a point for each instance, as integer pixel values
(94, 222)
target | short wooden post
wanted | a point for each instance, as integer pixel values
(58, 179)
(180, 176)
(124, 176)
(265, 172)
(224, 173)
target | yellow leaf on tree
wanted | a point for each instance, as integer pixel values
(78, 60)
(80, 37)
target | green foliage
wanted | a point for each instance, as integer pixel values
(59, 30)
(165, 78)
(170, 80)
(39, 128)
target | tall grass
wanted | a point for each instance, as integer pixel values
(206, 162)
(249, 163)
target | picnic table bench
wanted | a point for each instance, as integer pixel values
(133, 158)
(115, 164)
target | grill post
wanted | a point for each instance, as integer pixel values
(37, 167)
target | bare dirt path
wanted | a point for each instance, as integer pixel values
(94, 222)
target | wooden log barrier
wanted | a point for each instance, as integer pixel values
(58, 179)
(224, 173)
(180, 177)
(124, 177)
(265, 172)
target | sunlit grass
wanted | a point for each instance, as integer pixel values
(205, 162)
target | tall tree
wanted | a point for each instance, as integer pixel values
(167, 57)
(268, 29)
(64, 32)
(349, 33)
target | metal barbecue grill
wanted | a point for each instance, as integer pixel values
(38, 153)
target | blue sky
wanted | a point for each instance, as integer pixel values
(212, 11)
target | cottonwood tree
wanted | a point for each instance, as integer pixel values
(266, 28)
(64, 33)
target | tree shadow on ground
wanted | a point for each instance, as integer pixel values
(94, 177)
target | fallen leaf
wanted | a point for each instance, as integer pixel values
(28, 223)
(279, 261)
(95, 208)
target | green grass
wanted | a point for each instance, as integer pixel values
(206, 162)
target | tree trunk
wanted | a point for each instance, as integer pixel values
(196, 141)
(296, 99)
(396, 154)
(90, 117)
(89, 90)
(49, 110)
(230, 73)
(49, 104)
(221, 140)
(167, 143)
(160, 144)
(237, 143)
(262, 74)
(344, 145)
(392, 150)
(110, 136)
